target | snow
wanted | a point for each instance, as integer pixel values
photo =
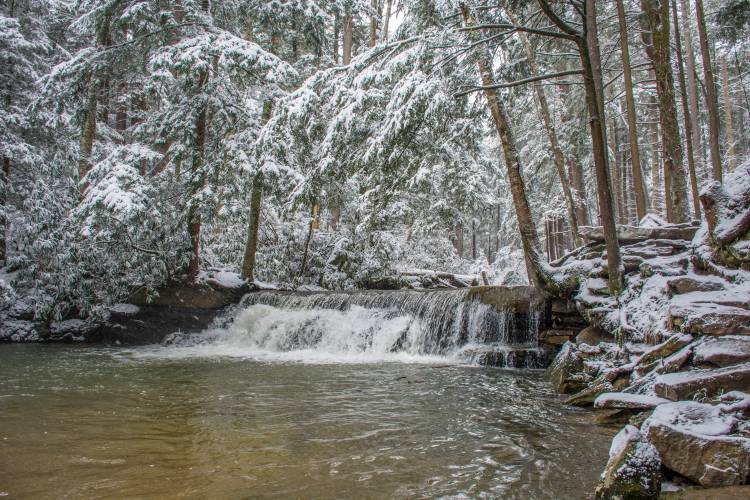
(627, 400)
(694, 418)
(622, 438)
(125, 309)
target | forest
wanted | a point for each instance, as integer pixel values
(333, 143)
(325, 248)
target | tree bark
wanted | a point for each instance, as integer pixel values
(348, 38)
(728, 125)
(373, 23)
(197, 180)
(587, 46)
(336, 36)
(712, 99)
(526, 226)
(4, 188)
(253, 229)
(657, 40)
(549, 126)
(688, 118)
(692, 91)
(387, 19)
(635, 156)
(614, 167)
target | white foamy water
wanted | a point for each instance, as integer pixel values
(364, 327)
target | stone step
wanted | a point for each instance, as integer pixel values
(684, 385)
(710, 319)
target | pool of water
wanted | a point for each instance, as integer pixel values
(99, 422)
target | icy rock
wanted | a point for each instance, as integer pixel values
(71, 330)
(19, 331)
(566, 370)
(633, 233)
(592, 335)
(633, 469)
(683, 385)
(692, 440)
(709, 319)
(623, 400)
(723, 351)
(689, 284)
(607, 382)
(666, 348)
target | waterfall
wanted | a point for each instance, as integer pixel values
(370, 326)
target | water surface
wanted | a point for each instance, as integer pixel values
(97, 422)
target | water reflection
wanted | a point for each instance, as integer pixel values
(85, 422)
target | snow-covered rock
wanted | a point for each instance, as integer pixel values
(633, 469)
(722, 351)
(624, 400)
(683, 385)
(692, 440)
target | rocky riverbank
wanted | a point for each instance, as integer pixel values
(669, 358)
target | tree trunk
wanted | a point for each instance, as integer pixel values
(253, 228)
(373, 23)
(614, 169)
(526, 226)
(692, 91)
(336, 36)
(656, 37)
(635, 156)
(88, 132)
(712, 99)
(688, 118)
(728, 125)
(549, 126)
(588, 45)
(348, 38)
(197, 180)
(473, 238)
(4, 188)
(460, 240)
(387, 19)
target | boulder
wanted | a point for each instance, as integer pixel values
(633, 469)
(666, 348)
(623, 400)
(587, 396)
(592, 335)
(692, 440)
(634, 233)
(688, 284)
(723, 351)
(709, 319)
(683, 385)
(556, 337)
(725, 493)
(566, 372)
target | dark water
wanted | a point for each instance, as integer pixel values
(94, 422)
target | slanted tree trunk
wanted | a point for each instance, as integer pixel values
(635, 156)
(588, 46)
(549, 127)
(728, 125)
(712, 99)
(529, 238)
(692, 91)
(687, 117)
(656, 37)
(387, 19)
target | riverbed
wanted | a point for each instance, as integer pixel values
(101, 422)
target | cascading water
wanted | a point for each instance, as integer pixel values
(369, 326)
